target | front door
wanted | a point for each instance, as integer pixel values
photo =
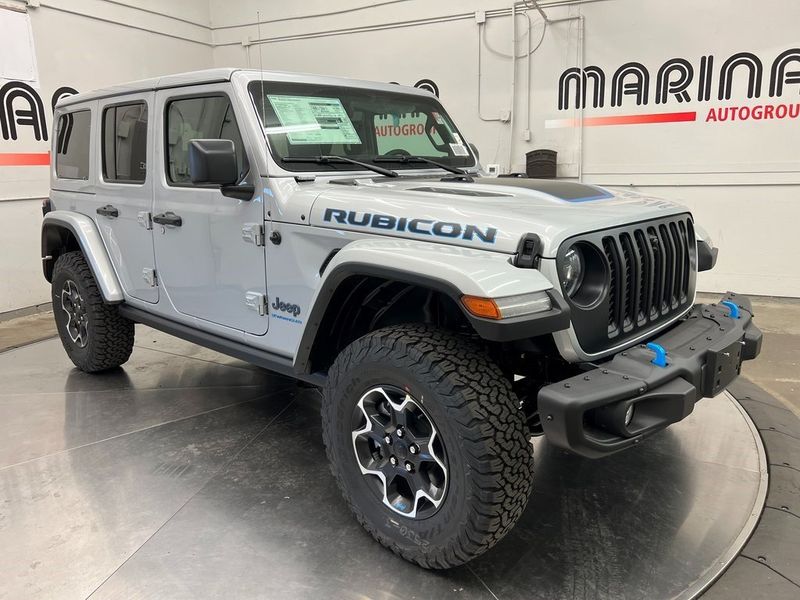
(204, 265)
(125, 191)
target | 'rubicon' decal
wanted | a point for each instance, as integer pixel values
(444, 229)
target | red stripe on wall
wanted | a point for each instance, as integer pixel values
(675, 117)
(31, 159)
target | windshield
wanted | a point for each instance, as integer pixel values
(305, 120)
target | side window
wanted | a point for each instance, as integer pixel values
(125, 143)
(72, 145)
(208, 117)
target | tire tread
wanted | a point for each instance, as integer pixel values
(112, 335)
(473, 388)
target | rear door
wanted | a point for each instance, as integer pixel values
(205, 266)
(124, 192)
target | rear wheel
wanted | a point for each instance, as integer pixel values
(427, 443)
(95, 336)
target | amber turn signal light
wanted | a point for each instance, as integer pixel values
(481, 307)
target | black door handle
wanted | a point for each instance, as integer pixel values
(168, 218)
(108, 211)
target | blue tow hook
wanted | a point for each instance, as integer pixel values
(660, 359)
(734, 308)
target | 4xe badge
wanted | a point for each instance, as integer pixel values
(287, 307)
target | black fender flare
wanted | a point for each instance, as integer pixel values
(505, 330)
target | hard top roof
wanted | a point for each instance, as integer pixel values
(225, 74)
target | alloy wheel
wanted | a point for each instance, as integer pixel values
(77, 320)
(399, 450)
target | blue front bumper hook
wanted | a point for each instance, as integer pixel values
(660, 359)
(734, 308)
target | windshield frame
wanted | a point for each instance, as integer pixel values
(316, 87)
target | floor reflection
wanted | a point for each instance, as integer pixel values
(187, 474)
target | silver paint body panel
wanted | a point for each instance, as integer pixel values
(129, 243)
(517, 212)
(205, 266)
(92, 245)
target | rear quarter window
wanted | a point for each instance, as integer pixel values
(73, 133)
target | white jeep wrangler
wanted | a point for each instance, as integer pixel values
(339, 232)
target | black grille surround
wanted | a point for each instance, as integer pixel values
(651, 271)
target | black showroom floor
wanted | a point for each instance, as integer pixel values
(187, 474)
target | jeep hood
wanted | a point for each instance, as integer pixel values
(489, 213)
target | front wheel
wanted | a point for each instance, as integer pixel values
(94, 334)
(426, 443)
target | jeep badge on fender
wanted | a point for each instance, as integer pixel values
(292, 309)
(447, 317)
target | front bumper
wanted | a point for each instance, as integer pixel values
(586, 413)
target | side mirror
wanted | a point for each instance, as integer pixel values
(475, 151)
(212, 162)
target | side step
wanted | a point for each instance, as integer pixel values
(255, 356)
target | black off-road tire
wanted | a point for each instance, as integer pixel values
(109, 335)
(471, 404)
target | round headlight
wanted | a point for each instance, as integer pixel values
(572, 270)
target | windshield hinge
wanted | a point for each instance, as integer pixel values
(253, 233)
(465, 177)
(257, 302)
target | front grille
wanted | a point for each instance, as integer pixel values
(648, 273)
(651, 277)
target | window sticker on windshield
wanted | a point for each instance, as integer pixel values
(459, 149)
(311, 120)
(438, 117)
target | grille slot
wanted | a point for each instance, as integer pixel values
(609, 247)
(632, 277)
(650, 279)
(646, 277)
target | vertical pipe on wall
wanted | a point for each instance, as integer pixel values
(528, 78)
(581, 65)
(480, 44)
(513, 85)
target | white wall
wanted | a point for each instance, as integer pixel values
(740, 179)
(85, 44)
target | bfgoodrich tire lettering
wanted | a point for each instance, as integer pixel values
(489, 460)
(106, 337)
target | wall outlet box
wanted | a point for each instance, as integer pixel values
(493, 170)
(480, 16)
(526, 135)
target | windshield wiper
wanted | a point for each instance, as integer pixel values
(403, 159)
(324, 160)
